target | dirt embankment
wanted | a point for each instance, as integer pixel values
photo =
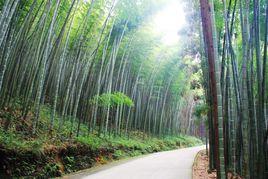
(52, 162)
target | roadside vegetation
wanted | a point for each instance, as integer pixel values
(54, 154)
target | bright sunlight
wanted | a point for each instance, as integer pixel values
(169, 21)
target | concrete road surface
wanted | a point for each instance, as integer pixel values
(175, 164)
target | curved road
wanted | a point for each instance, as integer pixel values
(175, 164)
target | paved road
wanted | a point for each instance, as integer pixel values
(175, 164)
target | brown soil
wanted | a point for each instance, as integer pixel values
(201, 168)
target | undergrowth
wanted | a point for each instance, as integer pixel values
(59, 151)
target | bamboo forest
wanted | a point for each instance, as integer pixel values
(84, 83)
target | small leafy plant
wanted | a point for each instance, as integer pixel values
(112, 99)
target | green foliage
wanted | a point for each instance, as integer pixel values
(112, 99)
(52, 169)
(12, 141)
(201, 110)
(118, 154)
(92, 141)
(58, 43)
(138, 143)
(69, 163)
(116, 147)
(20, 141)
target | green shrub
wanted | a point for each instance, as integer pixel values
(112, 99)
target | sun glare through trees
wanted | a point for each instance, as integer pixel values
(169, 21)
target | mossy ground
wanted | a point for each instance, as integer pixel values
(54, 153)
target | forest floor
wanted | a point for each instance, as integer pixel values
(201, 168)
(54, 153)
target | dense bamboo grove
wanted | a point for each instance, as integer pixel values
(92, 63)
(235, 36)
(99, 64)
